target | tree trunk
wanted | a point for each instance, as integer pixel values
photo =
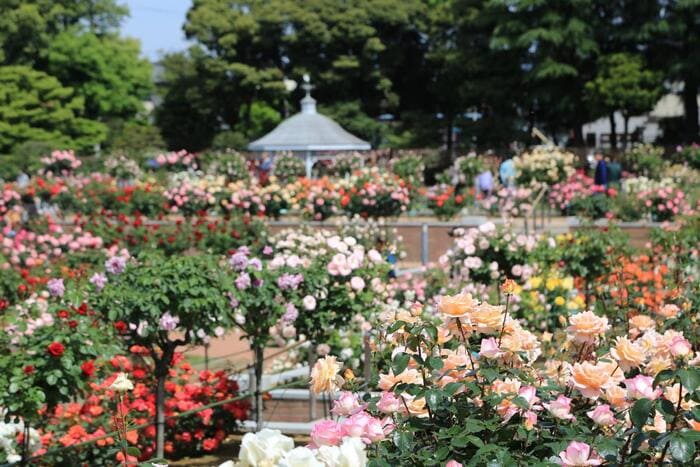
(160, 416)
(162, 369)
(613, 132)
(312, 396)
(626, 134)
(449, 134)
(259, 361)
(690, 107)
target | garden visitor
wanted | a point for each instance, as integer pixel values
(507, 173)
(614, 172)
(484, 183)
(601, 170)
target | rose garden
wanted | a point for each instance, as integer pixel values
(562, 342)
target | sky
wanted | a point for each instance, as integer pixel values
(158, 24)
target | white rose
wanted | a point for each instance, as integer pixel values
(300, 457)
(266, 446)
(352, 453)
(309, 302)
(122, 383)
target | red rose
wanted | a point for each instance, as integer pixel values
(56, 349)
(29, 369)
(4, 304)
(120, 326)
(72, 324)
(88, 368)
(21, 289)
(210, 444)
(63, 314)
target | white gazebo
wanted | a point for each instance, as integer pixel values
(309, 134)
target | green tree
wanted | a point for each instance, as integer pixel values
(27, 27)
(35, 106)
(105, 70)
(623, 84)
(193, 99)
(558, 50)
(674, 50)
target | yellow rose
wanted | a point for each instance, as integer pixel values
(559, 300)
(552, 283)
(535, 282)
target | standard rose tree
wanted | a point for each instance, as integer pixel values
(162, 303)
(50, 345)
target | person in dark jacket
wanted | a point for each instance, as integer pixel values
(601, 171)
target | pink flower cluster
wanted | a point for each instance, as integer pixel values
(561, 194)
(61, 162)
(8, 199)
(181, 158)
(665, 203)
(355, 422)
(188, 198)
(27, 248)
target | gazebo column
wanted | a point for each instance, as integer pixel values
(308, 159)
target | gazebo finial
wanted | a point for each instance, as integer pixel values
(308, 103)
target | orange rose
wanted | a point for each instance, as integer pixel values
(456, 306)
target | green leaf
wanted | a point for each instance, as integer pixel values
(663, 376)
(51, 379)
(640, 412)
(400, 362)
(680, 448)
(690, 379)
(133, 451)
(667, 409)
(435, 363)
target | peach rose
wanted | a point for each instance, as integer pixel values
(641, 323)
(669, 310)
(591, 380)
(488, 318)
(628, 354)
(616, 396)
(324, 375)
(657, 364)
(586, 327)
(456, 306)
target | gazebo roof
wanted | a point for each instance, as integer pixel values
(309, 131)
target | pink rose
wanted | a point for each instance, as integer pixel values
(602, 415)
(356, 425)
(347, 404)
(679, 346)
(579, 454)
(374, 430)
(388, 403)
(453, 463)
(357, 283)
(641, 387)
(560, 408)
(326, 433)
(489, 348)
